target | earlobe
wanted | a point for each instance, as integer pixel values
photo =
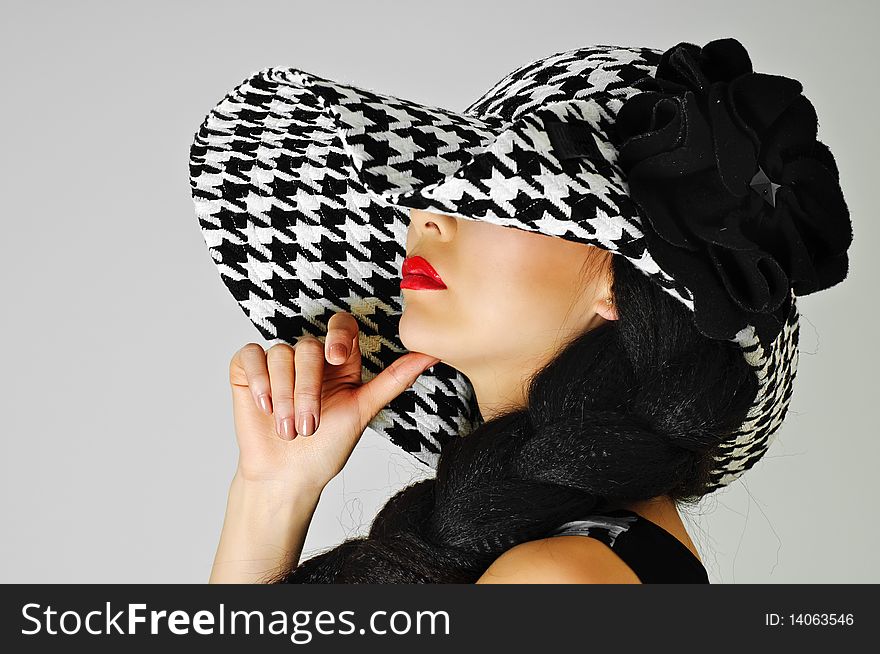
(607, 309)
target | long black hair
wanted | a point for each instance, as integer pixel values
(628, 411)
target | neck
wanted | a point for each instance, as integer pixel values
(501, 386)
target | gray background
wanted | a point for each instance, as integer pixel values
(117, 331)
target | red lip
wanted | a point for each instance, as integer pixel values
(418, 274)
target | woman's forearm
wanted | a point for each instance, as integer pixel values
(263, 531)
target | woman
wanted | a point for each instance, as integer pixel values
(629, 347)
(484, 325)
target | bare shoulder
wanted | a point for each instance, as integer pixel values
(559, 560)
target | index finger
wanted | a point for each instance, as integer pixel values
(342, 329)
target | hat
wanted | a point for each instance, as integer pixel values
(704, 174)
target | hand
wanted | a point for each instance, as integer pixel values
(274, 391)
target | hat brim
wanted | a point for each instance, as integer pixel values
(302, 187)
(276, 173)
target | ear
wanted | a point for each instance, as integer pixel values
(606, 308)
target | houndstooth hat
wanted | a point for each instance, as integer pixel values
(699, 171)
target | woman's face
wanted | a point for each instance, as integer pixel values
(512, 297)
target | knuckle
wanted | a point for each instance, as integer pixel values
(260, 384)
(245, 353)
(309, 349)
(283, 407)
(366, 399)
(396, 374)
(247, 367)
(282, 380)
(282, 385)
(280, 349)
(282, 352)
(306, 395)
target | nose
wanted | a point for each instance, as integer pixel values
(437, 226)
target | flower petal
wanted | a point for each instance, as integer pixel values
(659, 214)
(755, 281)
(646, 125)
(680, 65)
(683, 145)
(761, 99)
(736, 147)
(727, 233)
(826, 240)
(727, 59)
(793, 132)
(820, 207)
(780, 236)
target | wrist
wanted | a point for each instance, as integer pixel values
(268, 488)
(272, 496)
(263, 531)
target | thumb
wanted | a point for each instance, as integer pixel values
(392, 381)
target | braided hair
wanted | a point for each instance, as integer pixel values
(628, 411)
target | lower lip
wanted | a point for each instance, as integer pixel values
(420, 283)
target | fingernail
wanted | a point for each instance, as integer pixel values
(308, 424)
(287, 428)
(338, 352)
(264, 403)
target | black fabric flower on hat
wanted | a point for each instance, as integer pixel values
(739, 200)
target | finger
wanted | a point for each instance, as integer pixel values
(308, 383)
(279, 360)
(251, 359)
(392, 381)
(342, 330)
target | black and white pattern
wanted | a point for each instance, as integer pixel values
(302, 187)
(603, 527)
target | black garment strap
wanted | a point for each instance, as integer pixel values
(655, 555)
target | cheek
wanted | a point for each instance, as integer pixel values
(513, 303)
(550, 280)
(509, 293)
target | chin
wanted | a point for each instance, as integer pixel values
(418, 333)
(411, 335)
